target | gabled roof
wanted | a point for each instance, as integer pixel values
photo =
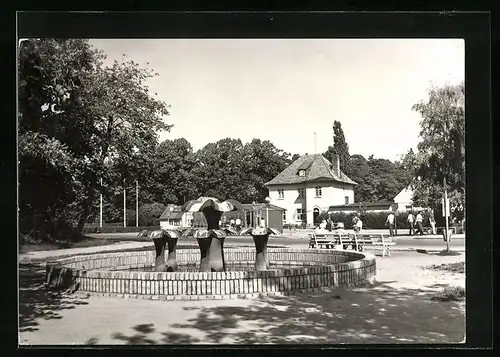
(316, 167)
(171, 212)
(405, 195)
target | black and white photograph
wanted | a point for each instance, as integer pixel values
(241, 191)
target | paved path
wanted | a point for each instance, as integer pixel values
(402, 243)
(398, 309)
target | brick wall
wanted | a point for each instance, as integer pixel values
(309, 270)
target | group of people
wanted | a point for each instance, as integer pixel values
(413, 221)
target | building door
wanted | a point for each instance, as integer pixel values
(315, 214)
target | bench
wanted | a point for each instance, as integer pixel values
(327, 240)
(383, 240)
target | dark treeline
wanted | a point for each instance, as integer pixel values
(87, 129)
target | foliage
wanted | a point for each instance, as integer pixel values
(149, 214)
(442, 148)
(229, 169)
(265, 162)
(113, 229)
(340, 148)
(378, 179)
(77, 119)
(174, 179)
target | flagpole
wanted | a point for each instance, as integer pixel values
(446, 215)
(124, 205)
(100, 213)
(314, 142)
(136, 203)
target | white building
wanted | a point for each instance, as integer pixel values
(403, 199)
(308, 187)
(173, 217)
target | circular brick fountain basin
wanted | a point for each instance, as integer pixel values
(291, 271)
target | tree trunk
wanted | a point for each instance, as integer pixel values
(86, 206)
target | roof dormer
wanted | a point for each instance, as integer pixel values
(302, 173)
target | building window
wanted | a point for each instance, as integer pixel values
(302, 172)
(302, 192)
(346, 200)
(284, 216)
(318, 191)
(300, 214)
(281, 193)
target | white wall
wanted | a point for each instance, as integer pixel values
(290, 201)
(331, 194)
(185, 221)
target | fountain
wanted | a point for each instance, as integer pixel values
(222, 273)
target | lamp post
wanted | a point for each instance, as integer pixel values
(268, 200)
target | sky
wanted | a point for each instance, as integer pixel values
(285, 90)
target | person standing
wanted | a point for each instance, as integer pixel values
(432, 221)
(419, 219)
(329, 224)
(355, 220)
(390, 221)
(411, 219)
(358, 226)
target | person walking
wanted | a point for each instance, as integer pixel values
(411, 219)
(432, 221)
(419, 219)
(390, 221)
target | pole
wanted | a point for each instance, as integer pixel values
(100, 213)
(136, 203)
(267, 216)
(124, 206)
(315, 142)
(446, 215)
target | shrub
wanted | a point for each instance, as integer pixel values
(450, 293)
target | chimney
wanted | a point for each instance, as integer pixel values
(337, 163)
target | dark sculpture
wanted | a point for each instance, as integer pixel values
(210, 240)
(260, 237)
(161, 239)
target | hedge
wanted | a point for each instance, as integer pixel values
(114, 229)
(371, 220)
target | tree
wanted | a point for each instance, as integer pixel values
(149, 214)
(378, 179)
(359, 172)
(442, 147)
(96, 117)
(265, 162)
(340, 148)
(50, 146)
(174, 180)
(222, 171)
